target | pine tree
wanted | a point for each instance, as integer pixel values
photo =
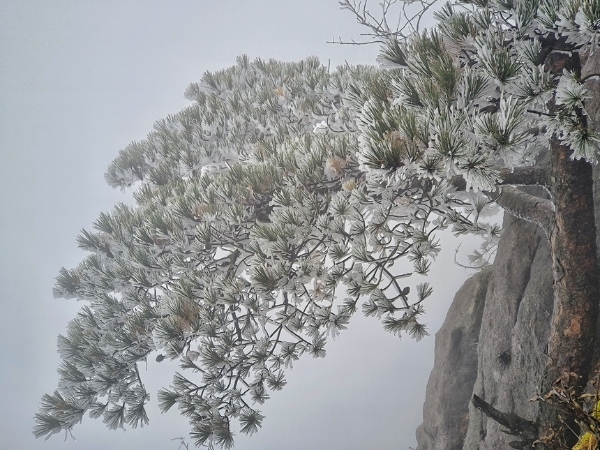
(287, 194)
(254, 235)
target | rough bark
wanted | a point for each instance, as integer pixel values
(575, 273)
(591, 73)
(576, 283)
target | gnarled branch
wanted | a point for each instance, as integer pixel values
(526, 206)
(518, 203)
(516, 425)
(524, 176)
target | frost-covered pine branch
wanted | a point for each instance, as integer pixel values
(255, 236)
(287, 197)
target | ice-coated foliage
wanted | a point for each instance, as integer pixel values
(254, 236)
(288, 196)
(474, 95)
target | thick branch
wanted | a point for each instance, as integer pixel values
(517, 176)
(524, 176)
(575, 273)
(517, 426)
(526, 206)
(518, 203)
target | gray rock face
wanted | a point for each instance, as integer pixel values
(445, 413)
(504, 314)
(514, 332)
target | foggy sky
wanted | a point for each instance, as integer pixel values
(79, 80)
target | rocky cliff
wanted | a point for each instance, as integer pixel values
(514, 332)
(493, 343)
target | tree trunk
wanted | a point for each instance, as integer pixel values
(572, 239)
(575, 273)
(576, 284)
